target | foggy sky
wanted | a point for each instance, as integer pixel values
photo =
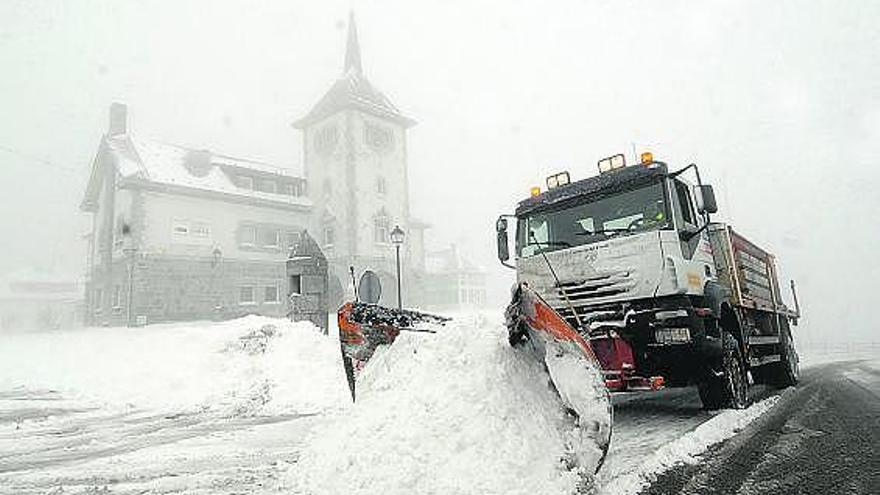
(778, 102)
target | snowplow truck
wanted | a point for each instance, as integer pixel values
(663, 296)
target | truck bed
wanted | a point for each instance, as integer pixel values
(747, 270)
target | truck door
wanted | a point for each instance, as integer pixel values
(685, 217)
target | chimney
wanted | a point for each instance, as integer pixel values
(118, 119)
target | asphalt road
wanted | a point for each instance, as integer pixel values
(822, 437)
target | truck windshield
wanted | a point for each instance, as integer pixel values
(637, 210)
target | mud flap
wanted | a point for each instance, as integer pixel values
(574, 370)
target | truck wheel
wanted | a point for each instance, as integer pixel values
(785, 373)
(730, 389)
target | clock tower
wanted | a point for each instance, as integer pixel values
(354, 146)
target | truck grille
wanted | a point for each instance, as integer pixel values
(607, 315)
(595, 289)
(594, 298)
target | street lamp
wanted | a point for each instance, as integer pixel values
(397, 239)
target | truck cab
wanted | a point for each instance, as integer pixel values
(627, 258)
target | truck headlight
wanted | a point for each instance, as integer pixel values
(672, 335)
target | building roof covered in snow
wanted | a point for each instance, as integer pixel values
(170, 168)
(353, 91)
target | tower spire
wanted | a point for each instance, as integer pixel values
(352, 49)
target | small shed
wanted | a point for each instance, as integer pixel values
(307, 283)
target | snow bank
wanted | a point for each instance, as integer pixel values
(686, 448)
(459, 411)
(245, 366)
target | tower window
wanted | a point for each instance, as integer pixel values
(380, 228)
(381, 185)
(325, 139)
(379, 138)
(329, 236)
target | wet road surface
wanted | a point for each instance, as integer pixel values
(822, 437)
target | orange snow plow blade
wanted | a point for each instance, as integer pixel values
(364, 327)
(573, 368)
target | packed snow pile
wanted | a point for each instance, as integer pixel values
(459, 411)
(252, 365)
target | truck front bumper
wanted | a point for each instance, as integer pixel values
(654, 343)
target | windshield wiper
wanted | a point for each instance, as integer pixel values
(550, 243)
(603, 231)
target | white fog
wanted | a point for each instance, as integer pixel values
(777, 102)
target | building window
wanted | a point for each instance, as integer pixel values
(270, 294)
(328, 189)
(269, 238)
(269, 186)
(248, 235)
(246, 295)
(296, 284)
(294, 189)
(329, 236)
(246, 182)
(180, 228)
(99, 300)
(380, 228)
(292, 239)
(118, 234)
(200, 230)
(117, 296)
(381, 186)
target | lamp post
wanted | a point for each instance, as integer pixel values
(397, 239)
(129, 250)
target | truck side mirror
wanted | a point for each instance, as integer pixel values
(707, 200)
(503, 251)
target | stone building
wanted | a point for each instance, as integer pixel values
(180, 234)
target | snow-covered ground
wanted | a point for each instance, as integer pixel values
(250, 365)
(259, 405)
(459, 411)
(184, 408)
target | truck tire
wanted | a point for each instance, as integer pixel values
(730, 388)
(785, 373)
